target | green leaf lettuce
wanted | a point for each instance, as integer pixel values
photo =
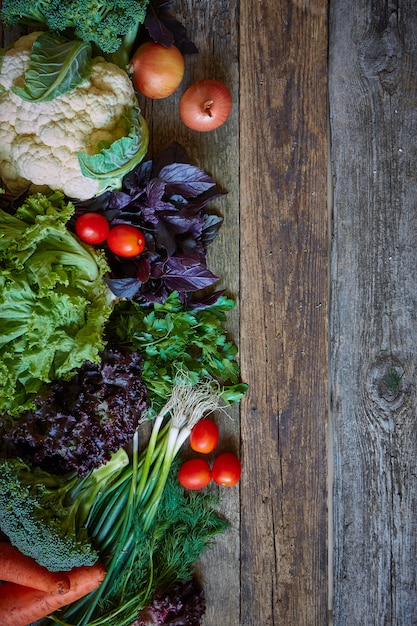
(54, 302)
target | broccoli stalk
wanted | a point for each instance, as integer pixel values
(111, 26)
(45, 515)
(122, 55)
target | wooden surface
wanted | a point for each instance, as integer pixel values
(373, 95)
(301, 353)
(283, 295)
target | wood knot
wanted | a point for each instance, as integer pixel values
(386, 383)
(382, 53)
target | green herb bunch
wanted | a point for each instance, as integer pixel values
(173, 338)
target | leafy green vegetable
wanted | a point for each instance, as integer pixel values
(77, 424)
(56, 66)
(142, 523)
(111, 25)
(44, 515)
(172, 338)
(185, 525)
(54, 302)
(115, 161)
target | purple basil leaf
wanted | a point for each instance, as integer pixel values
(181, 39)
(174, 153)
(206, 302)
(182, 222)
(177, 200)
(187, 180)
(143, 269)
(153, 291)
(187, 275)
(211, 228)
(95, 204)
(206, 197)
(165, 238)
(190, 247)
(138, 177)
(119, 200)
(155, 190)
(152, 213)
(124, 287)
(157, 30)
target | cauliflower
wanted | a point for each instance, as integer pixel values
(40, 140)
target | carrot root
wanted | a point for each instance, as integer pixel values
(21, 569)
(20, 606)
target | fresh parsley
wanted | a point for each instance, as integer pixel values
(173, 338)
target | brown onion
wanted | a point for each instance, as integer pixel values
(157, 71)
(205, 105)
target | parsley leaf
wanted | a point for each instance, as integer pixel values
(172, 338)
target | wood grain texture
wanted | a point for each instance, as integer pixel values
(373, 93)
(283, 262)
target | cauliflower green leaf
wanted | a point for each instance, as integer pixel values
(115, 161)
(56, 67)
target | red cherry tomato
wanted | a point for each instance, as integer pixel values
(205, 105)
(194, 474)
(226, 469)
(126, 240)
(157, 70)
(92, 228)
(204, 436)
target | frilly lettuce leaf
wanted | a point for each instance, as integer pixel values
(54, 302)
(115, 161)
(56, 67)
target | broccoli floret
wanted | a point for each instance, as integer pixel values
(111, 26)
(44, 515)
(27, 12)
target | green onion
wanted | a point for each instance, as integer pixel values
(133, 502)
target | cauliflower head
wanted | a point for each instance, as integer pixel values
(39, 141)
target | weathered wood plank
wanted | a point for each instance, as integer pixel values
(284, 248)
(373, 91)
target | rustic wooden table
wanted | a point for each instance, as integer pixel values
(318, 245)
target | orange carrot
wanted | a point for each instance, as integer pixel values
(20, 606)
(17, 568)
